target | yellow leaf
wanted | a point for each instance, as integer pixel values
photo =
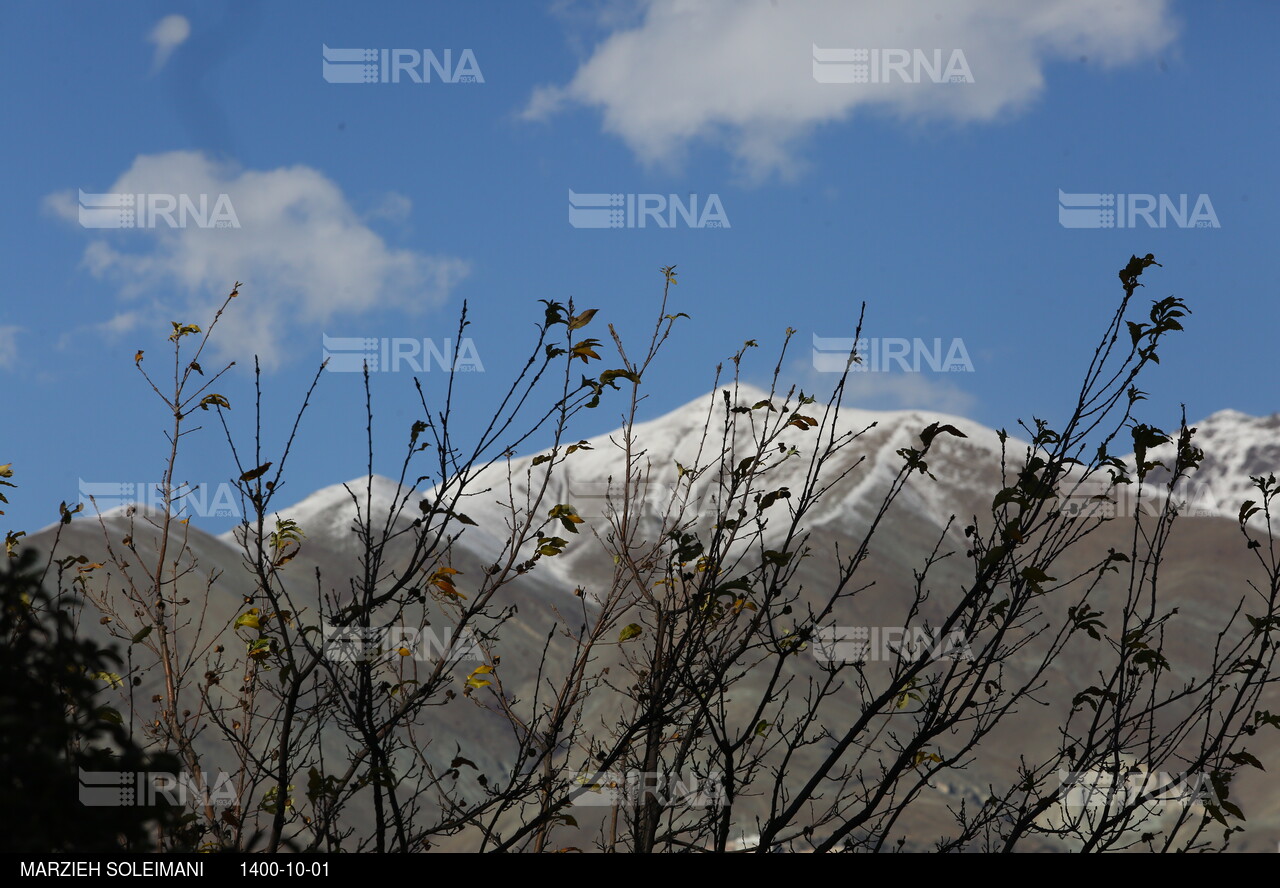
(583, 319)
(474, 682)
(255, 473)
(585, 349)
(440, 579)
(632, 630)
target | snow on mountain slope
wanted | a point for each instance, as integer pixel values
(967, 472)
(329, 516)
(1236, 446)
(591, 480)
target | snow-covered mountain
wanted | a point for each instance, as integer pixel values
(669, 450)
(1236, 446)
(677, 464)
(673, 474)
(668, 453)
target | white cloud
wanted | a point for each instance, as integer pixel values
(394, 207)
(907, 391)
(740, 73)
(868, 390)
(124, 322)
(8, 346)
(168, 34)
(304, 254)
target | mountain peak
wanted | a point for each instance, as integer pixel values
(330, 510)
(1236, 446)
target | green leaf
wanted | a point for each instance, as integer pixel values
(1244, 758)
(551, 545)
(215, 400)
(180, 330)
(568, 516)
(1035, 576)
(928, 434)
(772, 497)
(259, 649)
(110, 678)
(632, 630)
(608, 377)
(1232, 809)
(141, 634)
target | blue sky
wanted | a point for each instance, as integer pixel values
(375, 209)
